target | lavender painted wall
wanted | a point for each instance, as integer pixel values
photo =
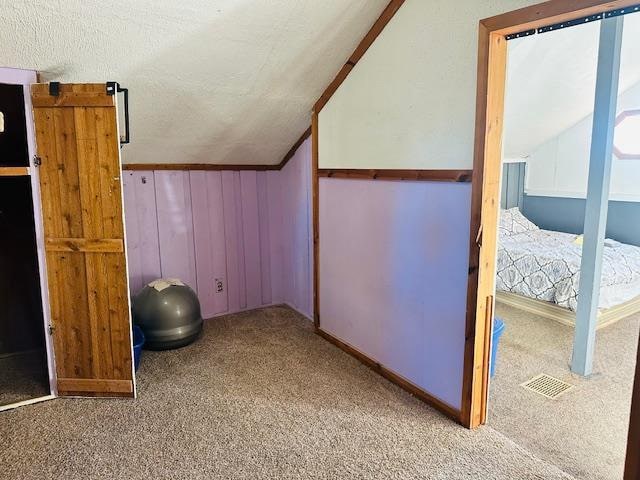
(251, 230)
(392, 281)
(291, 191)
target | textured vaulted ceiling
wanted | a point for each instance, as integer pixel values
(551, 81)
(211, 81)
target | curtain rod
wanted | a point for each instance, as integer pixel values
(578, 21)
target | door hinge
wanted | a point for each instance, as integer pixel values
(51, 329)
(37, 161)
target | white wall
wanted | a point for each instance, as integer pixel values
(560, 166)
(211, 81)
(410, 101)
(553, 77)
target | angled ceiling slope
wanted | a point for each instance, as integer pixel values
(551, 81)
(211, 81)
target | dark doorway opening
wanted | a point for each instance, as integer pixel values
(23, 358)
(13, 127)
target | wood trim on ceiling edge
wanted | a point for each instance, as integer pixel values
(221, 167)
(388, 13)
(291, 153)
(196, 166)
(401, 382)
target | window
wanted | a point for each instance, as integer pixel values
(626, 144)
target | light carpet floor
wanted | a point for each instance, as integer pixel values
(259, 396)
(584, 431)
(23, 376)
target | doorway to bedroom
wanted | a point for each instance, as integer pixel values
(561, 390)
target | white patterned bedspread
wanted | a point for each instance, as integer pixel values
(545, 265)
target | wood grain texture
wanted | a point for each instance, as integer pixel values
(392, 377)
(485, 202)
(84, 239)
(113, 245)
(375, 174)
(358, 53)
(14, 171)
(78, 386)
(72, 95)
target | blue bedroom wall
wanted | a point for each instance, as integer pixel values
(567, 215)
(513, 175)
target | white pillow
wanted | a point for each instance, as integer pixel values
(513, 222)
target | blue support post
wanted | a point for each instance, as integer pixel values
(595, 221)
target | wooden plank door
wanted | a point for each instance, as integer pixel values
(81, 189)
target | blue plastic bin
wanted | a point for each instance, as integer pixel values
(138, 342)
(498, 330)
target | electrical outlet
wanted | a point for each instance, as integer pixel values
(219, 285)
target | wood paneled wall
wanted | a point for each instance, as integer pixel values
(249, 229)
(294, 185)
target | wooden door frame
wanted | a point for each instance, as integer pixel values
(485, 200)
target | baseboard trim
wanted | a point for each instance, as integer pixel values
(565, 316)
(393, 377)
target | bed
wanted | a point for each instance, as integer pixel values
(539, 271)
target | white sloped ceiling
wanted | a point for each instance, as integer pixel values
(211, 81)
(551, 80)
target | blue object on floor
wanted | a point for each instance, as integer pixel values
(138, 342)
(498, 330)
